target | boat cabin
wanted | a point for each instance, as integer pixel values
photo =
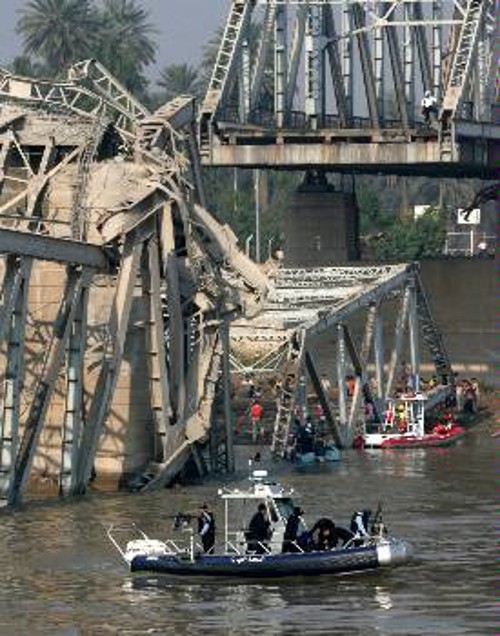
(241, 504)
(405, 415)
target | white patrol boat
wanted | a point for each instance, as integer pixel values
(243, 556)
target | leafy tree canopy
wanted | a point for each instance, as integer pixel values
(59, 32)
(410, 239)
(126, 44)
(179, 79)
(25, 65)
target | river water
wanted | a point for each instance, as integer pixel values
(61, 576)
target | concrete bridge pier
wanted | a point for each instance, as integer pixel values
(322, 225)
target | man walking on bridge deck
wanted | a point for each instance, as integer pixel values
(429, 107)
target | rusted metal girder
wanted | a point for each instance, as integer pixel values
(157, 356)
(77, 280)
(324, 401)
(360, 151)
(49, 248)
(110, 369)
(14, 312)
(73, 411)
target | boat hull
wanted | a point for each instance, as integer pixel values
(380, 440)
(341, 561)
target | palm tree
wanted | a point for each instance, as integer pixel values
(179, 79)
(210, 52)
(126, 44)
(26, 66)
(58, 31)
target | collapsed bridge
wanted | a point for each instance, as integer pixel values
(119, 287)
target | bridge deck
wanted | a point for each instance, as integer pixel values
(391, 149)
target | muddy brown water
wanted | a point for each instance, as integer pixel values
(61, 576)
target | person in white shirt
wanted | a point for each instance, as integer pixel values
(429, 106)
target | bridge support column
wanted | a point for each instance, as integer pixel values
(321, 228)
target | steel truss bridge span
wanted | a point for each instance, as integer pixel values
(376, 317)
(337, 84)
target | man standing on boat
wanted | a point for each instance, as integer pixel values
(291, 531)
(206, 528)
(259, 530)
(359, 525)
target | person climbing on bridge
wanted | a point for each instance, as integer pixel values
(429, 107)
(350, 385)
(305, 437)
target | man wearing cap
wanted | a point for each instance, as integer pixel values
(206, 528)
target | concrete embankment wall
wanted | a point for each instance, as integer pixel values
(465, 297)
(465, 300)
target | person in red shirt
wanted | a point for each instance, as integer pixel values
(256, 419)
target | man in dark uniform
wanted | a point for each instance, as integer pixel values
(258, 530)
(291, 531)
(206, 528)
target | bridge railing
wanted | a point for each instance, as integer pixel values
(299, 120)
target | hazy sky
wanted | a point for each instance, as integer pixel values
(184, 26)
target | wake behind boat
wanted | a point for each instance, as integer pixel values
(283, 551)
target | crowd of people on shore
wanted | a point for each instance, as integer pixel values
(309, 431)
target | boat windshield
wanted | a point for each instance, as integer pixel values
(284, 507)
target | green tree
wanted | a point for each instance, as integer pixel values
(373, 215)
(410, 239)
(59, 32)
(210, 51)
(27, 67)
(231, 196)
(126, 42)
(179, 79)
